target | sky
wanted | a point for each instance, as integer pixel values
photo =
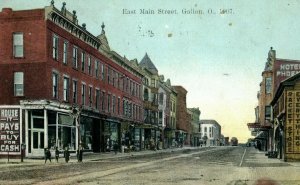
(217, 56)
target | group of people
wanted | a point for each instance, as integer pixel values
(66, 154)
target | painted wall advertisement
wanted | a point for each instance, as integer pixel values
(292, 130)
(10, 131)
(285, 69)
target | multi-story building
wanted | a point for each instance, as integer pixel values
(64, 85)
(210, 131)
(276, 70)
(150, 90)
(183, 124)
(164, 92)
(170, 129)
(195, 125)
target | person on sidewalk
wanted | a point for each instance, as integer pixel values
(47, 154)
(79, 154)
(56, 154)
(67, 154)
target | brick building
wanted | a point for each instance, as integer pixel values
(71, 89)
(183, 120)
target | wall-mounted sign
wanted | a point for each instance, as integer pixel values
(292, 127)
(10, 131)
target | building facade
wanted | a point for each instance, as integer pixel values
(152, 132)
(183, 123)
(286, 119)
(276, 70)
(195, 126)
(67, 85)
(210, 131)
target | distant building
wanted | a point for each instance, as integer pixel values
(183, 125)
(210, 131)
(195, 124)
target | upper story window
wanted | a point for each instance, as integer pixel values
(90, 96)
(268, 85)
(96, 68)
(18, 50)
(75, 57)
(108, 102)
(103, 101)
(108, 75)
(89, 65)
(55, 85)
(268, 112)
(19, 84)
(74, 91)
(65, 54)
(83, 61)
(97, 99)
(102, 71)
(83, 89)
(66, 89)
(55, 47)
(161, 98)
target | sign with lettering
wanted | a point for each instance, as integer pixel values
(10, 131)
(284, 69)
(292, 127)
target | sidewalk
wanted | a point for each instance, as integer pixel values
(90, 157)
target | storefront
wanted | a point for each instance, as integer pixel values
(286, 113)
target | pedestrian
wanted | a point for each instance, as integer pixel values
(47, 154)
(79, 155)
(56, 154)
(67, 154)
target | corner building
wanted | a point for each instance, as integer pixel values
(71, 89)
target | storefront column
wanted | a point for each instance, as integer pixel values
(26, 132)
(45, 128)
(77, 132)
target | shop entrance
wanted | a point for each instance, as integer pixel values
(37, 135)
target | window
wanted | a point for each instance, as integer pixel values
(108, 75)
(55, 47)
(268, 85)
(18, 45)
(74, 91)
(114, 104)
(119, 105)
(90, 96)
(102, 101)
(66, 89)
(89, 66)
(75, 55)
(268, 112)
(96, 68)
(161, 98)
(55, 85)
(108, 103)
(65, 54)
(19, 84)
(83, 94)
(113, 77)
(82, 61)
(102, 71)
(97, 99)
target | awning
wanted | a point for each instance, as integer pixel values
(262, 135)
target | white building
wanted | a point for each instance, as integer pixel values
(210, 131)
